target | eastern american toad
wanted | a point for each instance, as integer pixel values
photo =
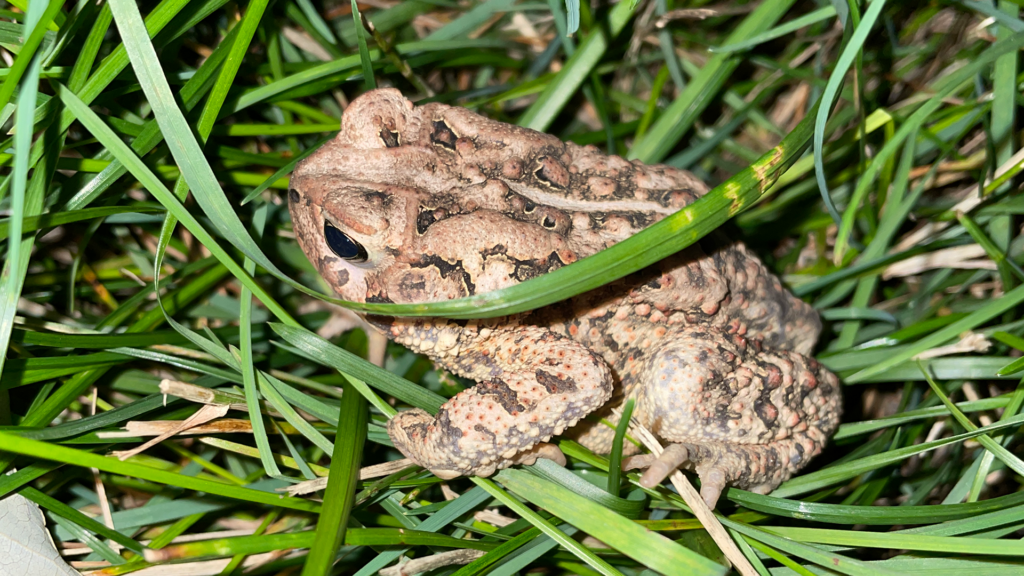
(429, 203)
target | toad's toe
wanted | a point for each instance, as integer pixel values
(638, 462)
(673, 456)
(544, 450)
(712, 482)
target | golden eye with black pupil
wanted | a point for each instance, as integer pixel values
(343, 246)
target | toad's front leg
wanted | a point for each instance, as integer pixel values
(532, 385)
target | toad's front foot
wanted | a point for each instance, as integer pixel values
(420, 437)
(533, 384)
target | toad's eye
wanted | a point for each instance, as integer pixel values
(345, 247)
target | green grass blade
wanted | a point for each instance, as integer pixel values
(556, 95)
(779, 31)
(835, 83)
(551, 531)
(369, 82)
(1007, 457)
(76, 517)
(320, 350)
(165, 197)
(939, 337)
(946, 86)
(833, 562)
(35, 24)
(54, 219)
(897, 541)
(615, 458)
(829, 476)
(36, 449)
(694, 99)
(649, 548)
(341, 484)
(24, 202)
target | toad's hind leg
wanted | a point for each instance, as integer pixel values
(737, 414)
(533, 384)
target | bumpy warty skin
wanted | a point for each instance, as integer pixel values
(445, 203)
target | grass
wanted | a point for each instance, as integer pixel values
(869, 152)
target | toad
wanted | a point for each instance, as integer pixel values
(434, 202)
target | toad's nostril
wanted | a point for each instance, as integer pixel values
(293, 195)
(390, 138)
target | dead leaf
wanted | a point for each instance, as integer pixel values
(25, 545)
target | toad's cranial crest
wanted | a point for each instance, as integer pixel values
(430, 203)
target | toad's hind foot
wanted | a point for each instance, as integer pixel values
(713, 478)
(751, 467)
(543, 450)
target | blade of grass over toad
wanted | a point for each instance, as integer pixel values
(649, 548)
(24, 202)
(835, 83)
(649, 246)
(549, 104)
(341, 483)
(119, 149)
(681, 114)
(36, 449)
